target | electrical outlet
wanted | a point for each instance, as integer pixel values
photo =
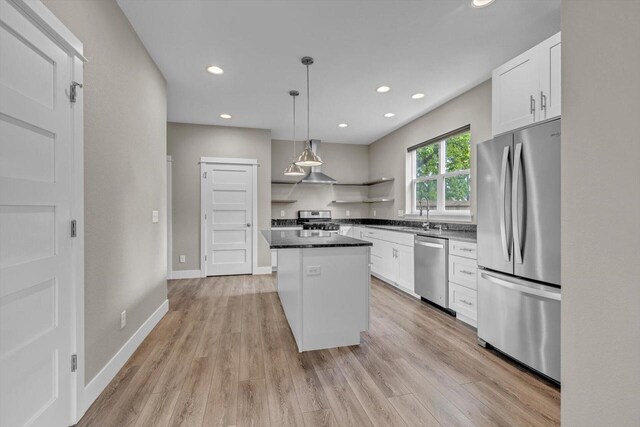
(282, 213)
(348, 212)
(183, 259)
(400, 213)
(374, 212)
(155, 216)
(123, 319)
(313, 270)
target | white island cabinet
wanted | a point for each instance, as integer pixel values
(323, 286)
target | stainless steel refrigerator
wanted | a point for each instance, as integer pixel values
(519, 289)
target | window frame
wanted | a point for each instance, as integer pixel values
(440, 211)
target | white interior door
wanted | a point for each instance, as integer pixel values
(228, 219)
(36, 172)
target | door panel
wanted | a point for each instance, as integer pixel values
(36, 285)
(495, 164)
(550, 70)
(404, 265)
(229, 212)
(538, 208)
(513, 86)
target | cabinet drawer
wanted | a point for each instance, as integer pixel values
(463, 249)
(463, 271)
(464, 302)
(390, 236)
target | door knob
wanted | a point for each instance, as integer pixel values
(248, 224)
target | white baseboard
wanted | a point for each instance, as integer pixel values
(185, 274)
(262, 270)
(104, 377)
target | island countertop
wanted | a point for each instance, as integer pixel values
(291, 239)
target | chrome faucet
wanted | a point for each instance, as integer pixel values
(425, 225)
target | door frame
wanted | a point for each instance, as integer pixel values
(41, 17)
(169, 217)
(204, 161)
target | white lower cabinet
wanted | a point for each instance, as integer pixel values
(404, 267)
(463, 285)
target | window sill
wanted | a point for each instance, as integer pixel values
(458, 216)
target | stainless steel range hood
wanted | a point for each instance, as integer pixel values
(315, 176)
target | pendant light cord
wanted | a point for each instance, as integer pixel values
(308, 114)
(294, 127)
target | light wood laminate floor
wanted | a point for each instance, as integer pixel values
(224, 356)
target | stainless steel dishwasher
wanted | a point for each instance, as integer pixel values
(430, 268)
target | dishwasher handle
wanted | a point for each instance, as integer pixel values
(430, 245)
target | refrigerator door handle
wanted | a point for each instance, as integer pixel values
(517, 163)
(521, 288)
(503, 218)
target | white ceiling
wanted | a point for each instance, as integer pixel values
(439, 47)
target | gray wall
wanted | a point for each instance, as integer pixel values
(600, 202)
(343, 162)
(186, 143)
(125, 176)
(387, 156)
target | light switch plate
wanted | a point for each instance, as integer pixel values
(155, 216)
(400, 213)
(313, 270)
(282, 213)
(183, 259)
(374, 212)
(348, 212)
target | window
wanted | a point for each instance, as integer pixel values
(440, 175)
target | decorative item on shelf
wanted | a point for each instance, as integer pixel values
(308, 157)
(293, 169)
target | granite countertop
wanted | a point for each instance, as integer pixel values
(467, 236)
(290, 239)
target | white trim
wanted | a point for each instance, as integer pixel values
(229, 161)
(263, 270)
(254, 222)
(49, 23)
(203, 223)
(77, 244)
(185, 274)
(104, 377)
(169, 217)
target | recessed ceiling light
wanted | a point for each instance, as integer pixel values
(389, 114)
(417, 96)
(214, 69)
(481, 3)
(225, 116)
(383, 89)
(343, 125)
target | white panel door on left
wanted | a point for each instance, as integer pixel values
(35, 247)
(228, 212)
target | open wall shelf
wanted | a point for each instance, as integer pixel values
(360, 184)
(371, 200)
(282, 201)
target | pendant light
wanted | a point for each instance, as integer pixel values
(308, 157)
(293, 169)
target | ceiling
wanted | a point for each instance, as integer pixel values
(438, 47)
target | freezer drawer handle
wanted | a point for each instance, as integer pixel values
(514, 204)
(523, 289)
(470, 273)
(430, 245)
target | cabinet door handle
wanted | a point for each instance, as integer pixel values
(532, 105)
(464, 301)
(470, 273)
(543, 101)
(466, 249)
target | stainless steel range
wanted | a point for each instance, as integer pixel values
(317, 220)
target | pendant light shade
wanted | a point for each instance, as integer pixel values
(293, 169)
(308, 157)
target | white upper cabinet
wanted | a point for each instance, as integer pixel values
(527, 88)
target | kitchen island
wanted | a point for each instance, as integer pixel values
(323, 286)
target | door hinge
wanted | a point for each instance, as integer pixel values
(204, 175)
(74, 228)
(73, 91)
(74, 362)
(205, 257)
